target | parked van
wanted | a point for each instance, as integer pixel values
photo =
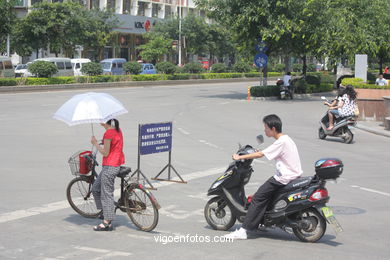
(64, 66)
(6, 68)
(77, 64)
(113, 66)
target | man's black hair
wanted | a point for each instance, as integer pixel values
(273, 121)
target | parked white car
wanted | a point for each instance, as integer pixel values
(21, 70)
(77, 64)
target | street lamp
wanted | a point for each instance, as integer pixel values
(179, 63)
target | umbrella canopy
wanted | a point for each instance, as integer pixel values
(89, 107)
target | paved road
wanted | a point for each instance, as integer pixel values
(209, 120)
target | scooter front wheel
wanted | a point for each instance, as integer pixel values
(321, 133)
(218, 214)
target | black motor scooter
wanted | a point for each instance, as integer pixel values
(285, 92)
(341, 126)
(300, 205)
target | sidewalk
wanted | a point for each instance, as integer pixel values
(375, 127)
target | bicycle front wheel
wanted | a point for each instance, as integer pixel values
(80, 198)
(141, 207)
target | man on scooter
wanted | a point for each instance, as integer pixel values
(288, 167)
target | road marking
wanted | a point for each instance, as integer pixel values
(107, 253)
(59, 205)
(209, 144)
(183, 131)
(224, 103)
(371, 190)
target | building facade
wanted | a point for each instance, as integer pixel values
(136, 17)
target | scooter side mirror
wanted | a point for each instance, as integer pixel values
(260, 139)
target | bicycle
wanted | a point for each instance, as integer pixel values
(139, 203)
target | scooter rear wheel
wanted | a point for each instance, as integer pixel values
(218, 214)
(313, 226)
(348, 136)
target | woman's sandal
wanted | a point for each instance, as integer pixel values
(103, 227)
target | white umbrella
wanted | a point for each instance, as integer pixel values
(91, 108)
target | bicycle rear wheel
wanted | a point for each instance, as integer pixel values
(80, 198)
(141, 207)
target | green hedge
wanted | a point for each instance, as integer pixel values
(118, 78)
(359, 83)
(269, 91)
(264, 91)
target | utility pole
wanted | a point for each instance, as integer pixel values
(8, 47)
(179, 63)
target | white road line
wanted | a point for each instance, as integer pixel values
(47, 208)
(181, 130)
(209, 144)
(371, 190)
(108, 253)
(224, 103)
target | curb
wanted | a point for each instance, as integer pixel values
(33, 88)
(372, 130)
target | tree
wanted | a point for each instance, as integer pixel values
(156, 46)
(7, 18)
(62, 26)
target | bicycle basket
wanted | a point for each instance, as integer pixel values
(79, 165)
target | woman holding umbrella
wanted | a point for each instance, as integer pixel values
(113, 158)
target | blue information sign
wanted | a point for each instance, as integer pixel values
(261, 60)
(155, 138)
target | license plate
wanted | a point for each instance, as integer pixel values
(328, 213)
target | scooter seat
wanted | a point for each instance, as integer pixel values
(296, 184)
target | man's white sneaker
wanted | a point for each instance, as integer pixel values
(238, 234)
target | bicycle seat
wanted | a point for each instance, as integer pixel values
(123, 171)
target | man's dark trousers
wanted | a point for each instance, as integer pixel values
(260, 201)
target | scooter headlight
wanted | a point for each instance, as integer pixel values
(216, 184)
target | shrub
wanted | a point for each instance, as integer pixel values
(166, 67)
(312, 79)
(264, 91)
(311, 67)
(297, 67)
(42, 69)
(371, 78)
(242, 67)
(132, 68)
(193, 67)
(92, 69)
(149, 77)
(338, 82)
(8, 82)
(219, 68)
(279, 67)
(300, 85)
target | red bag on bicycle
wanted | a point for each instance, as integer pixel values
(85, 164)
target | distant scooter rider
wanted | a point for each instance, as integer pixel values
(345, 106)
(288, 168)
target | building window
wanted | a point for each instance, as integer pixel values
(126, 6)
(33, 2)
(57, 1)
(111, 5)
(141, 8)
(94, 4)
(155, 9)
(20, 3)
(168, 11)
